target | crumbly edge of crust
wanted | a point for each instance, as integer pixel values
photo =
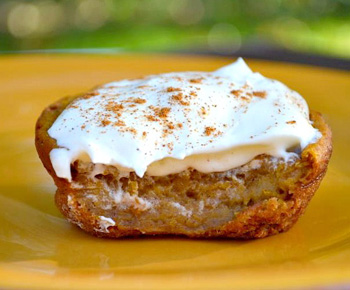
(265, 218)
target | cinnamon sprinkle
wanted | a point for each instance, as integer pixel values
(202, 111)
(139, 101)
(131, 130)
(172, 89)
(171, 126)
(196, 81)
(90, 95)
(119, 123)
(105, 122)
(209, 130)
(128, 130)
(179, 98)
(151, 118)
(164, 112)
(260, 94)
(111, 106)
(236, 92)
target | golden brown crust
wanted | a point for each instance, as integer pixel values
(274, 215)
(262, 219)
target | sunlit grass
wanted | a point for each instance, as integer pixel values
(219, 26)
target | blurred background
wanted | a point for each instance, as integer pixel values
(266, 28)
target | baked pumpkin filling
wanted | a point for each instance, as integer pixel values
(186, 202)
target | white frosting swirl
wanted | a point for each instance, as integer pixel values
(164, 124)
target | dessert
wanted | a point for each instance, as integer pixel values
(222, 154)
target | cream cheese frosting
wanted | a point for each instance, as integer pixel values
(164, 124)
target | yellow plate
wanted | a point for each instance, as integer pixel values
(39, 249)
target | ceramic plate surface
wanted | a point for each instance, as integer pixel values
(40, 249)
